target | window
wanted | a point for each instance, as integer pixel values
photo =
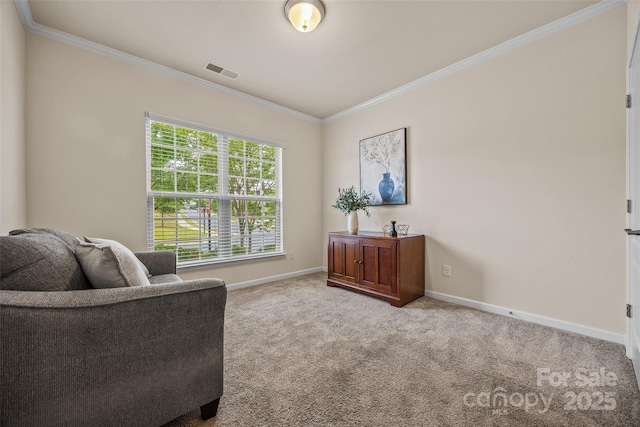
(211, 196)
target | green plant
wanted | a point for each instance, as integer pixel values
(349, 201)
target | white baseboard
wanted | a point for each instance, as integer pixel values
(522, 315)
(263, 280)
(534, 318)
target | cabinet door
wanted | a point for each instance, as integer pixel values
(343, 258)
(379, 264)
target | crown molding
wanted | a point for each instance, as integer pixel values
(24, 11)
(553, 27)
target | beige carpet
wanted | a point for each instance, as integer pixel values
(299, 353)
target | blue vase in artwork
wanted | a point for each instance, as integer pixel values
(386, 187)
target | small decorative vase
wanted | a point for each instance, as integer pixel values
(386, 187)
(393, 232)
(352, 222)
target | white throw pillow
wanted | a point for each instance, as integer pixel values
(120, 246)
(109, 266)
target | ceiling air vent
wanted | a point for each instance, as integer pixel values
(220, 70)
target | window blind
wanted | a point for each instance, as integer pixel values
(212, 196)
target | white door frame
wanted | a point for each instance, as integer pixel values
(628, 339)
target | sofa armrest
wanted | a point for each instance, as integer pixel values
(115, 357)
(158, 262)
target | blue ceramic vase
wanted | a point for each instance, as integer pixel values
(393, 232)
(386, 187)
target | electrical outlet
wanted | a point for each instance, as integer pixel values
(289, 255)
(446, 270)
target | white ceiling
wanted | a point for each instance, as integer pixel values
(361, 50)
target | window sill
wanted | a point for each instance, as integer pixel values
(226, 261)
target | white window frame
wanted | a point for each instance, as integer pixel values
(224, 219)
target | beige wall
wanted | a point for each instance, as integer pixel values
(516, 173)
(86, 151)
(515, 166)
(633, 9)
(12, 120)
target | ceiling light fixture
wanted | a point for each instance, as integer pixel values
(304, 15)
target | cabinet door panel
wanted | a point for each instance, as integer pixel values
(342, 257)
(379, 264)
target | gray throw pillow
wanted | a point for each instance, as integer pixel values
(38, 261)
(109, 266)
(69, 239)
(121, 247)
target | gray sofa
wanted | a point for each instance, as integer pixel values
(127, 356)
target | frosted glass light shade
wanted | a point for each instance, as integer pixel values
(304, 15)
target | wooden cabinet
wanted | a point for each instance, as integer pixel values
(389, 268)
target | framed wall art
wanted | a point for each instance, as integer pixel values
(383, 168)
